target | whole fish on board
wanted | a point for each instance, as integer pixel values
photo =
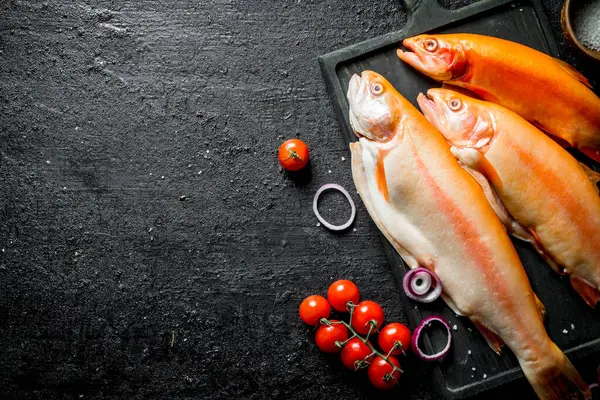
(551, 199)
(437, 216)
(544, 90)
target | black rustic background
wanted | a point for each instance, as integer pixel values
(114, 285)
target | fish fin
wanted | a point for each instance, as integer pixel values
(381, 179)
(452, 305)
(491, 338)
(593, 175)
(589, 293)
(552, 376)
(541, 308)
(576, 74)
(511, 225)
(473, 159)
(360, 181)
(537, 244)
(592, 153)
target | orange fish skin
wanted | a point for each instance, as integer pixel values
(541, 185)
(437, 216)
(545, 91)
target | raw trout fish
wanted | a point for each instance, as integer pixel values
(542, 194)
(544, 90)
(437, 216)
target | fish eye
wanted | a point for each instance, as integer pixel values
(376, 88)
(430, 45)
(455, 104)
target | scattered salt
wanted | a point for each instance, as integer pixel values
(484, 376)
(329, 171)
(199, 172)
(318, 224)
(354, 230)
(469, 351)
(565, 331)
(455, 327)
(572, 327)
(474, 369)
(343, 158)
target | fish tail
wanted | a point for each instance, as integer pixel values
(555, 378)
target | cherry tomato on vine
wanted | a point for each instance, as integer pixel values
(293, 154)
(354, 353)
(381, 375)
(365, 312)
(341, 292)
(313, 308)
(328, 335)
(392, 333)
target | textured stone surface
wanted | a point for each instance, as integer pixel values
(113, 285)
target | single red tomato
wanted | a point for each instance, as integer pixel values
(392, 333)
(382, 375)
(293, 154)
(365, 312)
(327, 336)
(354, 353)
(341, 292)
(313, 308)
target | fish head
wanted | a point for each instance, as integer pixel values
(436, 56)
(374, 112)
(463, 120)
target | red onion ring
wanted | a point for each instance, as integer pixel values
(417, 334)
(334, 186)
(423, 293)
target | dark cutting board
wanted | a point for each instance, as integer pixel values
(526, 23)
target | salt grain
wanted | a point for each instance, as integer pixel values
(455, 327)
(572, 327)
(565, 331)
(474, 369)
(343, 158)
(469, 351)
(484, 376)
(318, 224)
(586, 26)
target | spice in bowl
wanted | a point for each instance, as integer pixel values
(586, 24)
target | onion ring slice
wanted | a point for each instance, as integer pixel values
(417, 334)
(433, 285)
(334, 186)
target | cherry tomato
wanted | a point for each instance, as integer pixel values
(328, 335)
(293, 154)
(392, 333)
(341, 292)
(381, 375)
(365, 312)
(313, 308)
(354, 352)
